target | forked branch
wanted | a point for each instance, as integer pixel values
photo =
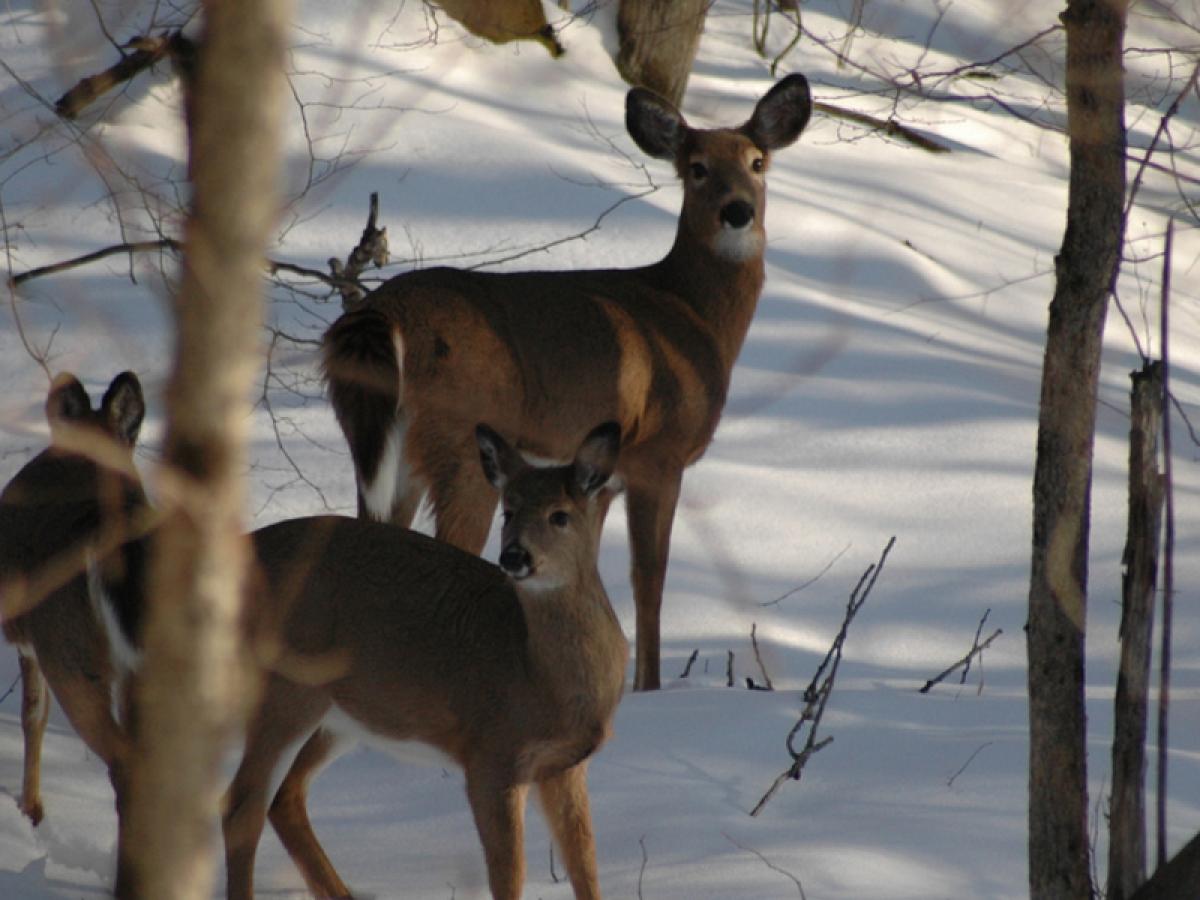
(146, 52)
(817, 694)
(372, 248)
(977, 648)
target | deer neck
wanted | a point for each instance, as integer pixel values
(722, 291)
(576, 643)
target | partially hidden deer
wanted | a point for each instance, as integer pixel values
(513, 672)
(542, 355)
(71, 571)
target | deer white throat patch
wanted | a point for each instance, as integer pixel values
(737, 244)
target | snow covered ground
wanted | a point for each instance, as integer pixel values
(888, 387)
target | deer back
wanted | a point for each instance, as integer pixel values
(69, 515)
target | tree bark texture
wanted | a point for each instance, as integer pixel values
(193, 687)
(1127, 813)
(1086, 268)
(658, 40)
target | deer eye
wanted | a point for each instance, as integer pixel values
(699, 171)
(559, 519)
(758, 164)
(505, 516)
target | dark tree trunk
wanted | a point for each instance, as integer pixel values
(1127, 814)
(1086, 266)
(658, 43)
(1177, 879)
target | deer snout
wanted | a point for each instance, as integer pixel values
(737, 214)
(516, 561)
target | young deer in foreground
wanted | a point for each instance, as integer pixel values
(513, 672)
(542, 355)
(65, 523)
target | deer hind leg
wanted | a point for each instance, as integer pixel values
(464, 504)
(35, 709)
(564, 800)
(651, 511)
(289, 816)
(285, 716)
(498, 806)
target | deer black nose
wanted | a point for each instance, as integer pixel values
(737, 214)
(515, 560)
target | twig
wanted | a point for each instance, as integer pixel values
(1162, 127)
(766, 685)
(273, 266)
(816, 696)
(1168, 611)
(970, 759)
(147, 52)
(687, 669)
(12, 687)
(131, 247)
(977, 648)
(372, 247)
(798, 588)
(770, 865)
(887, 126)
(642, 870)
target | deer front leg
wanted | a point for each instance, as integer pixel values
(565, 803)
(35, 708)
(289, 817)
(498, 806)
(286, 714)
(650, 506)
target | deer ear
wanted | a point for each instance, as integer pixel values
(499, 460)
(124, 407)
(597, 458)
(781, 114)
(67, 400)
(654, 124)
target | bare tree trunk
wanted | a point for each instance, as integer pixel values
(1086, 266)
(1127, 816)
(658, 43)
(194, 686)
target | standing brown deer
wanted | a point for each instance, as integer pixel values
(512, 672)
(71, 574)
(541, 355)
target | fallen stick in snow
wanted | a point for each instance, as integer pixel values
(817, 694)
(977, 649)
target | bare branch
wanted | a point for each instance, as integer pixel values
(770, 865)
(1168, 573)
(1135, 186)
(372, 247)
(129, 247)
(970, 759)
(687, 669)
(816, 696)
(147, 52)
(766, 685)
(798, 588)
(888, 126)
(977, 649)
